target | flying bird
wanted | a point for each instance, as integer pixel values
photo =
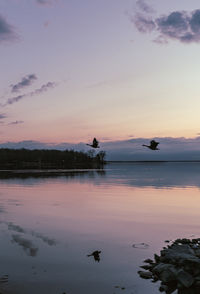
(153, 145)
(95, 144)
(96, 255)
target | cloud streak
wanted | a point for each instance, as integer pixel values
(142, 5)
(26, 244)
(44, 88)
(132, 149)
(17, 122)
(46, 2)
(143, 23)
(25, 82)
(43, 2)
(3, 115)
(178, 25)
(19, 229)
(7, 31)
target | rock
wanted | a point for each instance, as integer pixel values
(167, 276)
(145, 275)
(146, 267)
(197, 278)
(163, 288)
(195, 271)
(197, 284)
(148, 260)
(182, 241)
(177, 267)
(185, 278)
(157, 258)
(197, 252)
(187, 291)
(155, 279)
(158, 269)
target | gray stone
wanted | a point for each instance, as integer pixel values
(148, 260)
(179, 254)
(177, 267)
(197, 283)
(163, 288)
(185, 278)
(197, 252)
(145, 275)
(158, 269)
(197, 278)
(146, 267)
(157, 258)
(187, 291)
(167, 276)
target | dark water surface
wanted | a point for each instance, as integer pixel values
(50, 222)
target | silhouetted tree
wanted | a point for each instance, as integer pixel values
(101, 156)
(25, 158)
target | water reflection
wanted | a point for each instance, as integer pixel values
(58, 218)
(16, 228)
(26, 244)
(96, 255)
(35, 177)
(156, 174)
(148, 174)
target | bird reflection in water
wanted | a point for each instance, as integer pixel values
(96, 255)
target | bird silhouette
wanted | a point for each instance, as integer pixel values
(96, 255)
(153, 145)
(95, 144)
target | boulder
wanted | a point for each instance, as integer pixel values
(177, 267)
(145, 275)
(185, 279)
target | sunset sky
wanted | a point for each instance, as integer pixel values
(113, 69)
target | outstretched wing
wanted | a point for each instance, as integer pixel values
(154, 144)
(95, 142)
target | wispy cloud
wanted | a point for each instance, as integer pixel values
(130, 149)
(3, 115)
(19, 229)
(46, 23)
(46, 2)
(43, 2)
(16, 228)
(7, 31)
(44, 238)
(142, 5)
(25, 82)
(17, 122)
(26, 244)
(143, 23)
(42, 89)
(178, 25)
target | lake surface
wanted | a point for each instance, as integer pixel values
(49, 223)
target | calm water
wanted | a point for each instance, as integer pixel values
(48, 225)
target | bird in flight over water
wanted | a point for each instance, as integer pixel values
(153, 145)
(95, 144)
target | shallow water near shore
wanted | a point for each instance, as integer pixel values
(49, 223)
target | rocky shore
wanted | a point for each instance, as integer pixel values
(177, 267)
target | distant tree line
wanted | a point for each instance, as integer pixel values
(47, 159)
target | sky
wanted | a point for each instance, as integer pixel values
(112, 69)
